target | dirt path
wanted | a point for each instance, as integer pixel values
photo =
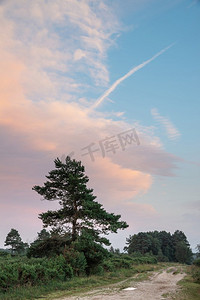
(160, 283)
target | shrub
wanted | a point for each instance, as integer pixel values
(76, 259)
(108, 266)
(27, 274)
(197, 262)
(196, 274)
(122, 263)
(33, 271)
(98, 270)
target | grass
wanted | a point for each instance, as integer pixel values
(124, 275)
(121, 277)
(77, 285)
(189, 289)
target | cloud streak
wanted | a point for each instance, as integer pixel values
(131, 72)
(171, 130)
(45, 49)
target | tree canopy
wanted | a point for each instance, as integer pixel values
(166, 246)
(79, 213)
(14, 240)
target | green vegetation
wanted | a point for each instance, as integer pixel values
(23, 278)
(76, 228)
(20, 271)
(14, 240)
(73, 246)
(166, 247)
(70, 255)
(190, 285)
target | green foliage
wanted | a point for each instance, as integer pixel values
(197, 262)
(4, 253)
(14, 273)
(76, 259)
(20, 275)
(198, 250)
(108, 265)
(43, 235)
(125, 261)
(78, 224)
(140, 242)
(94, 252)
(48, 247)
(183, 253)
(196, 270)
(74, 286)
(14, 240)
(163, 245)
(196, 274)
(79, 210)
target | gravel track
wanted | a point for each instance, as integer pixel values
(159, 284)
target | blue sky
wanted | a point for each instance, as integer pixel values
(58, 59)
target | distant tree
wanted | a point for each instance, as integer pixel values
(43, 234)
(140, 242)
(114, 251)
(183, 253)
(47, 244)
(165, 246)
(198, 250)
(47, 247)
(182, 249)
(179, 236)
(14, 240)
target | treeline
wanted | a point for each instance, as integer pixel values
(54, 257)
(164, 245)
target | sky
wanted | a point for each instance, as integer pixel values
(114, 84)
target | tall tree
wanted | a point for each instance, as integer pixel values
(14, 240)
(182, 250)
(140, 242)
(165, 246)
(42, 235)
(183, 253)
(79, 212)
(198, 250)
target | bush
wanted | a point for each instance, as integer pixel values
(197, 262)
(4, 253)
(122, 263)
(196, 274)
(125, 261)
(33, 271)
(98, 270)
(144, 260)
(76, 259)
(108, 266)
(196, 270)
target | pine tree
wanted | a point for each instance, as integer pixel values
(14, 240)
(79, 212)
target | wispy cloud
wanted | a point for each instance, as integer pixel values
(171, 130)
(131, 72)
(50, 51)
(60, 41)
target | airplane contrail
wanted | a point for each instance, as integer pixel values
(131, 72)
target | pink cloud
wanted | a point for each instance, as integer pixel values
(59, 127)
(115, 184)
(41, 116)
